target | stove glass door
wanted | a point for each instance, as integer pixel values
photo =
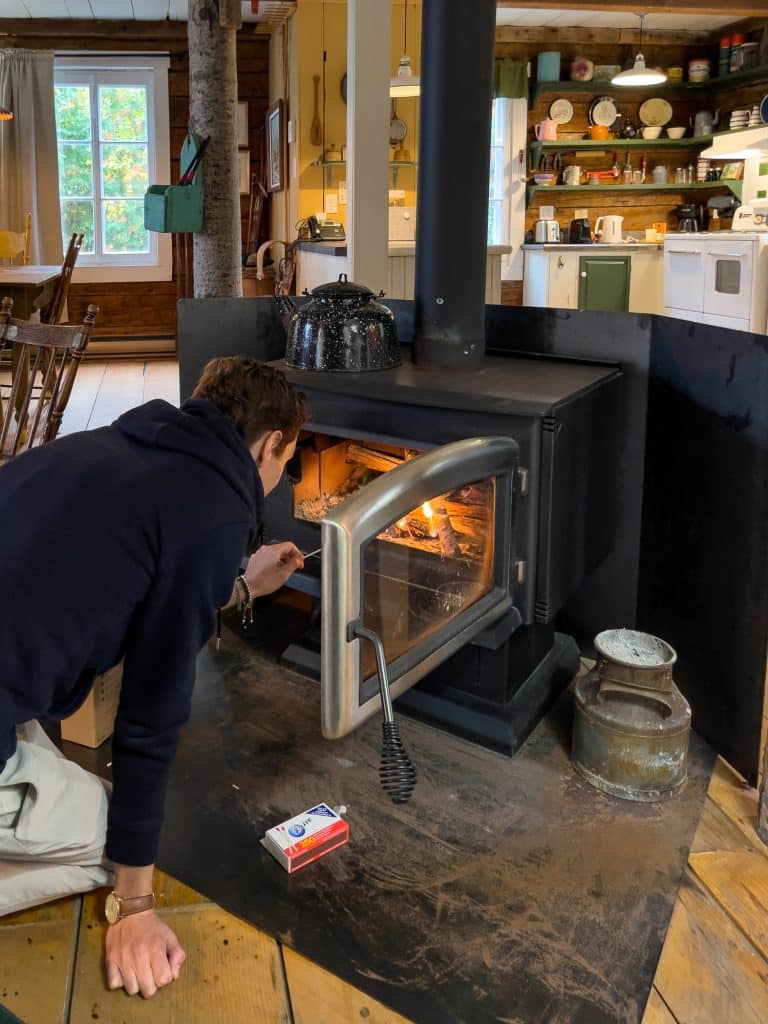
(727, 278)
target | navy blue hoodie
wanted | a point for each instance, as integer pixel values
(121, 543)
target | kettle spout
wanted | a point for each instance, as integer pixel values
(287, 308)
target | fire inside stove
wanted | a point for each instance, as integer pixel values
(426, 566)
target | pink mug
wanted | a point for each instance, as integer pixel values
(546, 130)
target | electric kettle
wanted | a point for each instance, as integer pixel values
(609, 229)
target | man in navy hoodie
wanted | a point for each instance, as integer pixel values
(120, 544)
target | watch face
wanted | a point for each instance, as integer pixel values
(112, 908)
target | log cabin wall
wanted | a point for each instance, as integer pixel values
(618, 46)
(135, 309)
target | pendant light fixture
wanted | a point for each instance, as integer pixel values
(639, 74)
(405, 83)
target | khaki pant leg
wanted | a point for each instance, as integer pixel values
(53, 820)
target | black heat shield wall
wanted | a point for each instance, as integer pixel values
(452, 214)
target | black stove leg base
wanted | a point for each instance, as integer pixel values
(498, 726)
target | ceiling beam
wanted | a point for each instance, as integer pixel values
(595, 36)
(735, 8)
(160, 31)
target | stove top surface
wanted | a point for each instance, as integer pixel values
(508, 385)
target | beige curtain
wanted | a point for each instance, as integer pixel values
(29, 175)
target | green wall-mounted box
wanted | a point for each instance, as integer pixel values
(176, 207)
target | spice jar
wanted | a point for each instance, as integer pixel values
(737, 41)
(724, 59)
(698, 70)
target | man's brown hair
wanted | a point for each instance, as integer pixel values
(256, 397)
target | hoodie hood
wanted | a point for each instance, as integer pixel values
(198, 429)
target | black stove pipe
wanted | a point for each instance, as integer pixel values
(454, 155)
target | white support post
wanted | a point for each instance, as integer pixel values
(369, 31)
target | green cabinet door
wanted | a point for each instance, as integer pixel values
(604, 283)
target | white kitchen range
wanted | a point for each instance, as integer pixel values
(721, 278)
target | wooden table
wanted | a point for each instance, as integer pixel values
(31, 287)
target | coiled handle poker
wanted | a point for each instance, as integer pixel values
(396, 773)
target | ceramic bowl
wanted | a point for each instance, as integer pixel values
(544, 179)
(651, 132)
(676, 133)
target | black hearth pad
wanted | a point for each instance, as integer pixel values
(506, 889)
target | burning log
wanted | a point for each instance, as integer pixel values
(371, 458)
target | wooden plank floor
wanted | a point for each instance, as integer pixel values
(713, 968)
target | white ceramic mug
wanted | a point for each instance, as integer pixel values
(572, 175)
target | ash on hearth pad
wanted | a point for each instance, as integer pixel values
(508, 888)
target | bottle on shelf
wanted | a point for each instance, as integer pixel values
(626, 174)
(737, 40)
(724, 62)
(615, 172)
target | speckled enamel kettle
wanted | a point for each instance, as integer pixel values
(342, 328)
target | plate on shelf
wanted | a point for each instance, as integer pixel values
(764, 109)
(561, 111)
(604, 110)
(655, 113)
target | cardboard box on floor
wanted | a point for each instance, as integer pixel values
(94, 721)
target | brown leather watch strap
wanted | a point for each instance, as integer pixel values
(117, 907)
(136, 904)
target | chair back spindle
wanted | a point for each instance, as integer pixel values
(44, 359)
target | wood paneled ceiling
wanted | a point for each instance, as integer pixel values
(128, 10)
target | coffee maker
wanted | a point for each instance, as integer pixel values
(690, 217)
(579, 232)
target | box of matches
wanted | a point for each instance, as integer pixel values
(311, 834)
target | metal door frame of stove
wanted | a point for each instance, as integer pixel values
(360, 519)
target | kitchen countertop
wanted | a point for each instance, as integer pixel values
(628, 246)
(395, 248)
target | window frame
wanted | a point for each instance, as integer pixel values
(514, 124)
(152, 72)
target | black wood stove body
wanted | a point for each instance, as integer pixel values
(563, 416)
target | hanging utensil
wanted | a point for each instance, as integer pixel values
(316, 125)
(397, 128)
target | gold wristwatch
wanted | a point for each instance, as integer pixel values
(117, 907)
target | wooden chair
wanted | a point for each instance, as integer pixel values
(44, 360)
(51, 314)
(14, 245)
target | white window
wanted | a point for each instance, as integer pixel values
(112, 139)
(506, 190)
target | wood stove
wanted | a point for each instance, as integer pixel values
(462, 571)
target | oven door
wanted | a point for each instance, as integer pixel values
(421, 556)
(728, 278)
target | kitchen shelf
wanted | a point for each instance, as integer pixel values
(607, 145)
(752, 76)
(329, 164)
(697, 186)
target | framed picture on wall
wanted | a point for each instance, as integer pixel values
(244, 170)
(275, 147)
(242, 124)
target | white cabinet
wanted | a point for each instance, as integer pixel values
(551, 276)
(563, 284)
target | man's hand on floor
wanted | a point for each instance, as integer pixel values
(143, 954)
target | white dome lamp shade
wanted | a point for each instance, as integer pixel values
(405, 83)
(639, 74)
